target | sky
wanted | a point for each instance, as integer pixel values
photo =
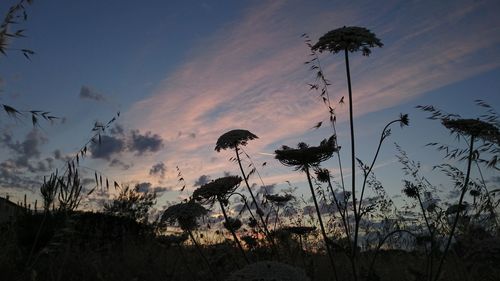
(182, 73)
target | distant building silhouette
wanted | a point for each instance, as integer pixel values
(9, 210)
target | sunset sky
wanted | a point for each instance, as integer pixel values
(181, 73)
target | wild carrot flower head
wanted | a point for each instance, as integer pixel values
(305, 156)
(185, 214)
(279, 199)
(474, 128)
(217, 189)
(404, 120)
(323, 175)
(232, 224)
(350, 38)
(300, 230)
(234, 138)
(410, 190)
(268, 271)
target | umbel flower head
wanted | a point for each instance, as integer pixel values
(232, 224)
(350, 38)
(299, 230)
(233, 139)
(185, 214)
(323, 175)
(279, 199)
(305, 156)
(474, 128)
(268, 271)
(410, 190)
(217, 189)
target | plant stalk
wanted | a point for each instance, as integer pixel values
(323, 232)
(457, 216)
(232, 231)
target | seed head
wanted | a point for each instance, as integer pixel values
(232, 224)
(279, 199)
(323, 175)
(474, 128)
(410, 190)
(299, 230)
(233, 139)
(217, 189)
(350, 38)
(304, 156)
(185, 214)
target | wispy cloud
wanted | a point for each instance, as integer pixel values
(90, 94)
(251, 74)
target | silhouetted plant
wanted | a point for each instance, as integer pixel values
(219, 190)
(49, 191)
(484, 130)
(303, 158)
(474, 129)
(278, 201)
(349, 39)
(186, 215)
(131, 203)
(233, 140)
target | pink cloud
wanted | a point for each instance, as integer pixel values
(251, 75)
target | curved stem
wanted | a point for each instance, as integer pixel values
(457, 216)
(323, 232)
(232, 231)
(381, 243)
(382, 137)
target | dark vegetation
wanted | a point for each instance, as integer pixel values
(352, 231)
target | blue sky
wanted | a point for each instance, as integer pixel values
(184, 72)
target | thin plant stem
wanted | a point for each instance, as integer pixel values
(266, 229)
(236, 240)
(197, 246)
(457, 216)
(381, 243)
(323, 232)
(353, 165)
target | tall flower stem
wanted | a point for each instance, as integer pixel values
(353, 161)
(232, 231)
(323, 232)
(457, 216)
(197, 246)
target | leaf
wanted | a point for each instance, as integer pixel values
(92, 190)
(12, 112)
(317, 125)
